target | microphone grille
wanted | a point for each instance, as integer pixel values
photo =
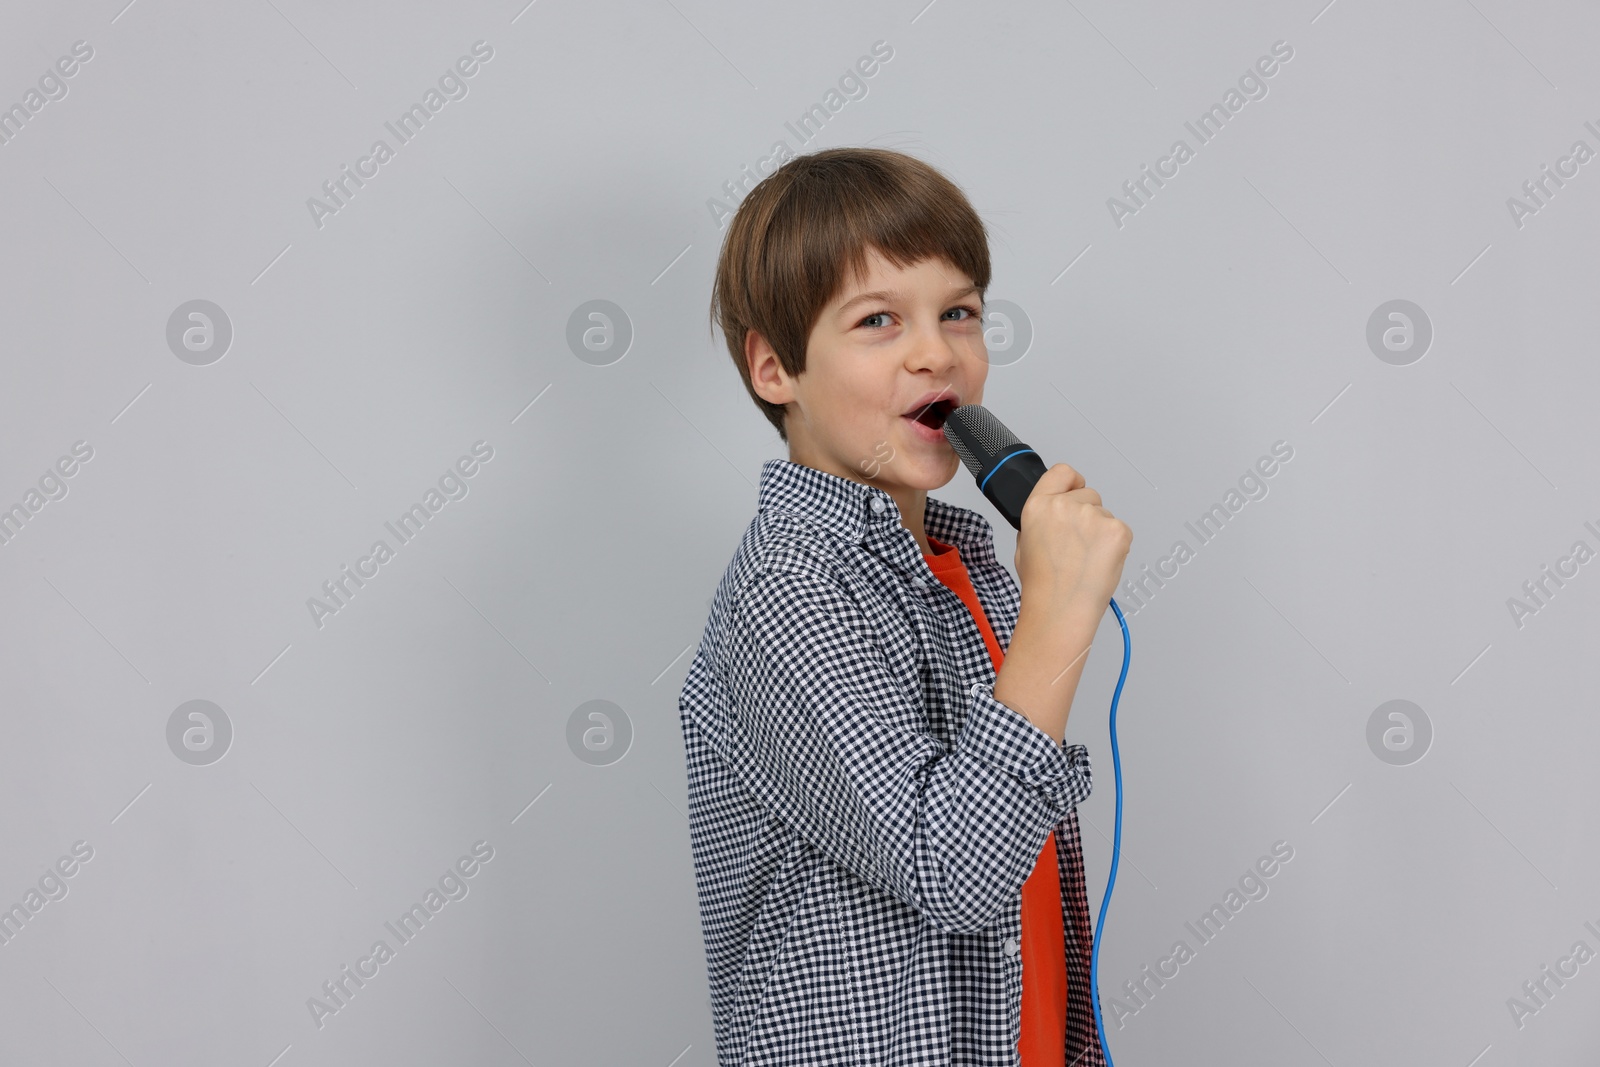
(978, 437)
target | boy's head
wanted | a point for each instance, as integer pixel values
(836, 369)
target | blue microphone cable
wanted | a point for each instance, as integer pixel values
(1116, 842)
(987, 435)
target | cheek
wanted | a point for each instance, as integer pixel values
(977, 365)
(855, 409)
(971, 337)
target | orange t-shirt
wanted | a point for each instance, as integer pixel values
(1044, 939)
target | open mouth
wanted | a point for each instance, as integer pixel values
(933, 414)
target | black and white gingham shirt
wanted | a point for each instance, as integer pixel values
(862, 810)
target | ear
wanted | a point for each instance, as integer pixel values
(767, 376)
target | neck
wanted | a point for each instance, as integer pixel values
(912, 504)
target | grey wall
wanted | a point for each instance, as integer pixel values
(233, 855)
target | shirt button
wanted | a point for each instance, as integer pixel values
(918, 584)
(1010, 947)
(876, 505)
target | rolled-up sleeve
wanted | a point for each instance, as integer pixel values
(829, 738)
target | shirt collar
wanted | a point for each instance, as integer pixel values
(846, 509)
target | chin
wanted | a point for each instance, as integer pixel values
(930, 472)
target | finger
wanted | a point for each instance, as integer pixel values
(1086, 494)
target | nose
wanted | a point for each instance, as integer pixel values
(931, 348)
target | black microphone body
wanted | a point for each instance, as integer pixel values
(1006, 469)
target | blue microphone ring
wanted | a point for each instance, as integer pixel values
(1002, 463)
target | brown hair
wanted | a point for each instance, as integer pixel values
(805, 228)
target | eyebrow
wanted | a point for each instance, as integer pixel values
(889, 294)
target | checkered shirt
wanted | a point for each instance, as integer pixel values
(862, 810)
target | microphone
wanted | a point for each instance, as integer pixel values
(1006, 469)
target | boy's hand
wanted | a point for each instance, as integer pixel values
(1070, 549)
(1069, 556)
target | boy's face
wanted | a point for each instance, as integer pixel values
(882, 349)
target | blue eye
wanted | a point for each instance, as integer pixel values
(972, 313)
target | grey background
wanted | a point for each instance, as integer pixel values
(435, 709)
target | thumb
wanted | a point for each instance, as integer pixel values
(1060, 478)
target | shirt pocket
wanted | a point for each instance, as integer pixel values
(899, 643)
(807, 1010)
(924, 658)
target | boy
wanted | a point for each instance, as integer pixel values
(884, 828)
